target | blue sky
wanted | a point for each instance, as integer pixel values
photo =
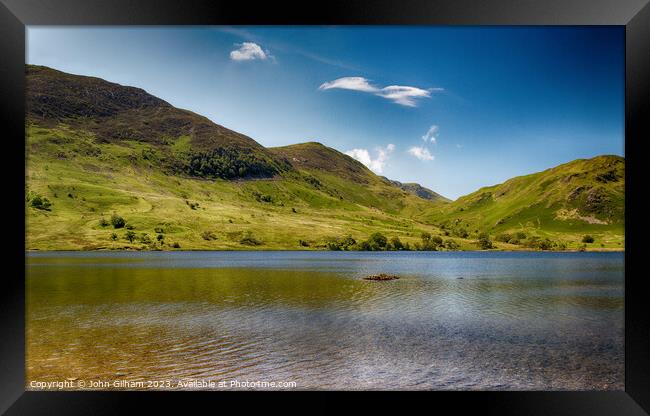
(452, 108)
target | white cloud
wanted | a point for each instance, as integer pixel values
(377, 164)
(362, 155)
(282, 47)
(350, 83)
(398, 94)
(404, 95)
(420, 153)
(249, 51)
(431, 134)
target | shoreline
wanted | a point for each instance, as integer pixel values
(600, 250)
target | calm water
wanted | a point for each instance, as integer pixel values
(455, 320)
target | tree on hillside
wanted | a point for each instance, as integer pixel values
(364, 246)
(503, 237)
(451, 245)
(484, 241)
(145, 239)
(130, 236)
(347, 242)
(377, 241)
(117, 221)
(429, 242)
(40, 202)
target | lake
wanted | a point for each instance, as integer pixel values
(453, 321)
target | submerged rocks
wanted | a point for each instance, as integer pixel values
(381, 277)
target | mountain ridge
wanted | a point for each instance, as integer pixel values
(418, 190)
(95, 149)
(92, 97)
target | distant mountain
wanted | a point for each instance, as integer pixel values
(418, 190)
(97, 150)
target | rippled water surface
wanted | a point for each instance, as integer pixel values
(455, 320)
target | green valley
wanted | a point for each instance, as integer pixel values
(112, 167)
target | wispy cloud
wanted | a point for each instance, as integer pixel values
(323, 59)
(249, 51)
(350, 83)
(399, 94)
(239, 32)
(405, 95)
(432, 134)
(421, 153)
(377, 164)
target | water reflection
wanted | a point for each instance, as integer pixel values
(453, 321)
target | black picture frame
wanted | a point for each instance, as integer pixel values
(16, 14)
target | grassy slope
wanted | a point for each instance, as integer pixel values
(103, 178)
(585, 196)
(114, 112)
(350, 180)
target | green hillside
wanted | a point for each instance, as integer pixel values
(350, 180)
(164, 174)
(112, 167)
(585, 196)
(189, 143)
(86, 182)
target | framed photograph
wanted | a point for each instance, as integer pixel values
(430, 196)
